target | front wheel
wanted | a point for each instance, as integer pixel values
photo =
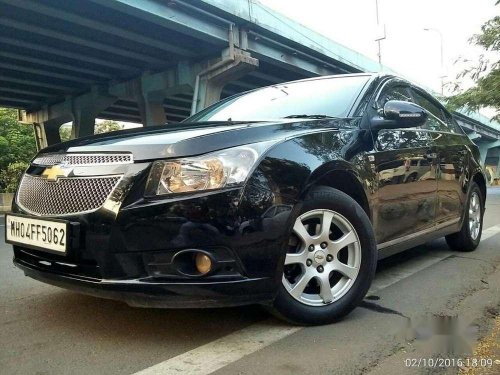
(469, 236)
(330, 262)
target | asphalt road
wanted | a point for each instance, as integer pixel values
(46, 330)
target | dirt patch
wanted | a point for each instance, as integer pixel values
(487, 349)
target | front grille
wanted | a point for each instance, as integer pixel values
(83, 159)
(65, 196)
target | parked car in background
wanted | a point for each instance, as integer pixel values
(285, 196)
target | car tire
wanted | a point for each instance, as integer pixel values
(328, 201)
(411, 178)
(467, 239)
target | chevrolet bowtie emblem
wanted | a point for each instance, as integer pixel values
(53, 173)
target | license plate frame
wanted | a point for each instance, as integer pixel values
(61, 249)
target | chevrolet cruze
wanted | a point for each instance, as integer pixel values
(284, 196)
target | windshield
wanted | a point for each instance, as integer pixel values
(332, 97)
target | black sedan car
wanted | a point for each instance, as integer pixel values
(284, 196)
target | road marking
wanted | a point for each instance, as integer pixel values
(386, 278)
(217, 354)
(489, 232)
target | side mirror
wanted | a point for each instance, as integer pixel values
(399, 114)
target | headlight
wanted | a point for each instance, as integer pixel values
(220, 169)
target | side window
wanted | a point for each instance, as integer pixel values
(437, 119)
(424, 163)
(394, 92)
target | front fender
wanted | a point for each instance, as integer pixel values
(292, 167)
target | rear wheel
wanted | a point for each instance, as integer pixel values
(330, 262)
(470, 234)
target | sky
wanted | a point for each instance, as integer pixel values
(408, 49)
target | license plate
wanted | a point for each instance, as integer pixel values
(42, 234)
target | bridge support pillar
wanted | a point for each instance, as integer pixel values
(83, 123)
(234, 64)
(152, 112)
(484, 148)
(151, 90)
(47, 132)
(47, 121)
(82, 110)
(473, 136)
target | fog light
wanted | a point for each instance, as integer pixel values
(203, 263)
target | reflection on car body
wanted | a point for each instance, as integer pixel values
(274, 217)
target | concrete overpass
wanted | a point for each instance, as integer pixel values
(486, 134)
(152, 61)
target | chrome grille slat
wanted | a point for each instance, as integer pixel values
(66, 196)
(83, 159)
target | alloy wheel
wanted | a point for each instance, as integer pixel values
(474, 215)
(323, 259)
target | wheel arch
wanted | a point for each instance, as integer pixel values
(345, 180)
(479, 179)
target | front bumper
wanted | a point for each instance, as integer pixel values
(128, 256)
(139, 293)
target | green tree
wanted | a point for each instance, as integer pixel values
(107, 126)
(65, 132)
(10, 177)
(17, 145)
(485, 73)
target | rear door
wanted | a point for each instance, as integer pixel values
(404, 161)
(452, 153)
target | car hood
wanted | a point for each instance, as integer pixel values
(189, 139)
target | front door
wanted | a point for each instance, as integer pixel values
(405, 161)
(405, 203)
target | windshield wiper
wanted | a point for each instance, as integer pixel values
(309, 116)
